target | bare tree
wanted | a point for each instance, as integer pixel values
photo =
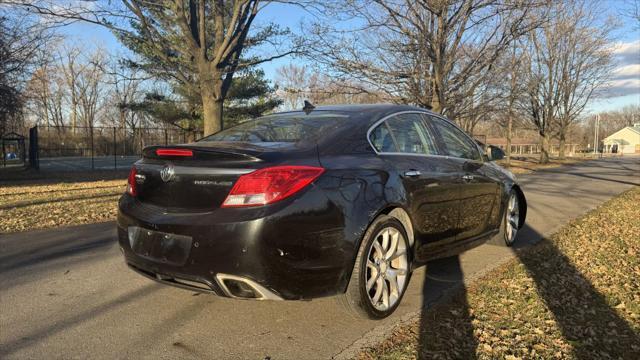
(200, 44)
(127, 88)
(570, 57)
(69, 65)
(91, 88)
(511, 89)
(22, 44)
(299, 83)
(429, 53)
(46, 92)
(633, 12)
(293, 83)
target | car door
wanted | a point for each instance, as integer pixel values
(479, 193)
(410, 149)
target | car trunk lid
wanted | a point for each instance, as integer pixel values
(198, 177)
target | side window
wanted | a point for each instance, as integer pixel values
(381, 139)
(456, 143)
(411, 135)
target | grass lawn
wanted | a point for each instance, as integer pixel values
(59, 200)
(575, 295)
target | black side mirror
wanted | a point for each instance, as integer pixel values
(494, 153)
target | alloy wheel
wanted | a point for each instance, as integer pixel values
(512, 219)
(387, 268)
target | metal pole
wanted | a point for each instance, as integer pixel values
(598, 131)
(115, 150)
(595, 134)
(91, 132)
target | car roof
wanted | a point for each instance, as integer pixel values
(363, 108)
(362, 113)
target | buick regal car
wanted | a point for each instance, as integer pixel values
(339, 201)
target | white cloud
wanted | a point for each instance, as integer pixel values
(627, 71)
(626, 76)
(628, 53)
(623, 87)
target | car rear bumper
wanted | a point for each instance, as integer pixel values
(220, 287)
(296, 249)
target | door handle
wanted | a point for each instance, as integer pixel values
(412, 173)
(467, 177)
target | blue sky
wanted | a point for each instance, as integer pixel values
(624, 89)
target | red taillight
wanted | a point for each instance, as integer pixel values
(131, 183)
(266, 186)
(174, 152)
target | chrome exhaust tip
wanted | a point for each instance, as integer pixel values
(242, 288)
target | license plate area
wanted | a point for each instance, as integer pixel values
(166, 248)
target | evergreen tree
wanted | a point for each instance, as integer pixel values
(250, 96)
(199, 46)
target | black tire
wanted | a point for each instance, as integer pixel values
(502, 238)
(356, 299)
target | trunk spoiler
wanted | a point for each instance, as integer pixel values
(191, 152)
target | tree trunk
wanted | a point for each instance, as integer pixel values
(437, 98)
(74, 109)
(435, 103)
(212, 111)
(544, 148)
(561, 154)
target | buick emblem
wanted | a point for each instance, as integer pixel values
(167, 173)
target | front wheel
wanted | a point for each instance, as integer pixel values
(381, 272)
(512, 219)
(510, 222)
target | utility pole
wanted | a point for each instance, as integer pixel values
(595, 134)
(598, 131)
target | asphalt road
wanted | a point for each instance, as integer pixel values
(66, 293)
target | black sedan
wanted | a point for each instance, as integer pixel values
(336, 200)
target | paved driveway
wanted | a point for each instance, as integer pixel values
(67, 293)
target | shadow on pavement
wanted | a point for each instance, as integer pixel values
(584, 175)
(30, 248)
(36, 336)
(24, 255)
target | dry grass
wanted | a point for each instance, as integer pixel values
(573, 296)
(52, 202)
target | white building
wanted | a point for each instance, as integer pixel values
(627, 139)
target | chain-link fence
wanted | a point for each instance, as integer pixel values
(65, 148)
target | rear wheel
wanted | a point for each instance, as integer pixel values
(381, 271)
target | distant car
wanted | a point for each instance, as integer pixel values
(11, 156)
(338, 200)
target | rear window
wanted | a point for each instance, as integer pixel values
(293, 128)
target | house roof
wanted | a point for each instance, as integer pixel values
(615, 134)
